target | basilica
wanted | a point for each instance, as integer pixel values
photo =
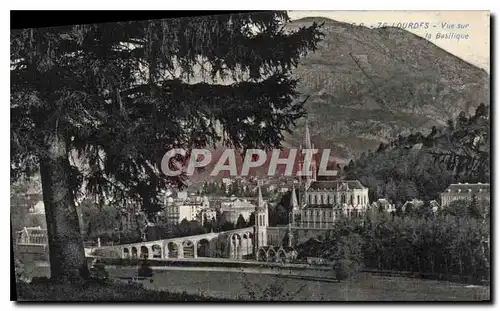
(321, 202)
(315, 206)
(325, 201)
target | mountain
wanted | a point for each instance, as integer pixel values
(368, 86)
(422, 166)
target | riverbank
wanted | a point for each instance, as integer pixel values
(230, 265)
(363, 287)
(195, 285)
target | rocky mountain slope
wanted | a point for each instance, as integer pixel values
(368, 86)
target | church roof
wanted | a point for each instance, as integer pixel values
(336, 185)
(320, 206)
(333, 206)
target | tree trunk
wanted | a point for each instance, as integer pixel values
(67, 256)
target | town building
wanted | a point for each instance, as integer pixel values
(234, 207)
(208, 215)
(384, 205)
(190, 209)
(465, 191)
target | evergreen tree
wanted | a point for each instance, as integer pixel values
(117, 96)
(251, 220)
(240, 222)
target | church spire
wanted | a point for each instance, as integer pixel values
(307, 138)
(309, 164)
(294, 204)
(260, 200)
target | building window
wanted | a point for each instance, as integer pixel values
(358, 200)
(342, 199)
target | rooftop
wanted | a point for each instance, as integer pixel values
(467, 188)
(332, 206)
(336, 185)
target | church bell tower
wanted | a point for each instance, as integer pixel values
(261, 222)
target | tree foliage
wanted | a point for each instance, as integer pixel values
(123, 94)
(422, 166)
(444, 244)
(95, 107)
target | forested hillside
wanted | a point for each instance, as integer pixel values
(422, 166)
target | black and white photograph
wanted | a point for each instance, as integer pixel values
(244, 156)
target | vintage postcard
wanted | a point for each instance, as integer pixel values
(252, 156)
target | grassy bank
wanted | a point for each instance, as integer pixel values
(363, 287)
(45, 290)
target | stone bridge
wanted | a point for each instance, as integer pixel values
(234, 244)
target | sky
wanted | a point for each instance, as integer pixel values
(472, 27)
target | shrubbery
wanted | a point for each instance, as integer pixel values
(441, 245)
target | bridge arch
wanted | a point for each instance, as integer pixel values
(144, 252)
(126, 252)
(172, 250)
(218, 247)
(247, 244)
(204, 249)
(188, 249)
(236, 237)
(235, 246)
(156, 251)
(134, 252)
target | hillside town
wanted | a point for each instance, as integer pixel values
(251, 156)
(232, 203)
